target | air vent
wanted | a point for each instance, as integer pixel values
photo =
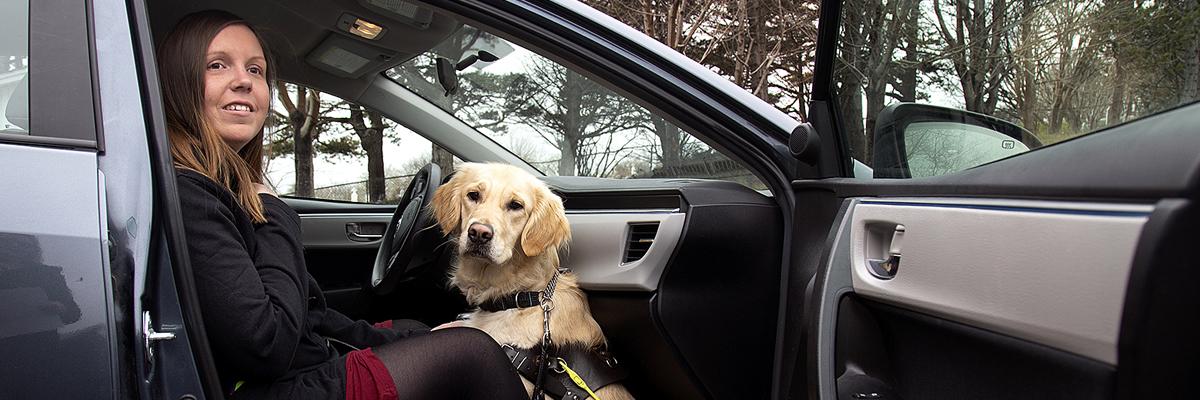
(641, 236)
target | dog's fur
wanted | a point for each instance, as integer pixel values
(521, 256)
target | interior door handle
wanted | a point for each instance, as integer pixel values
(888, 267)
(367, 237)
(365, 231)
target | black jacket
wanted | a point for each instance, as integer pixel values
(265, 317)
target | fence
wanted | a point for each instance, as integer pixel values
(357, 191)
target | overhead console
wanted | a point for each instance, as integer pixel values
(377, 36)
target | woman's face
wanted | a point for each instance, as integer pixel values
(236, 93)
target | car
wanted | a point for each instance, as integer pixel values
(766, 262)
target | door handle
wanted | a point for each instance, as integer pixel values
(365, 231)
(364, 238)
(886, 268)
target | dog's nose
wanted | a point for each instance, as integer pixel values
(479, 233)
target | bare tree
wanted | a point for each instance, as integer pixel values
(868, 65)
(370, 128)
(577, 116)
(1190, 51)
(977, 47)
(677, 24)
(304, 120)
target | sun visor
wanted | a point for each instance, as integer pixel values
(349, 58)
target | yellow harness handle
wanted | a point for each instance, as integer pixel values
(575, 378)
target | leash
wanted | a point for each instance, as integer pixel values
(598, 365)
(547, 303)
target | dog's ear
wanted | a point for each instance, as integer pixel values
(547, 227)
(447, 204)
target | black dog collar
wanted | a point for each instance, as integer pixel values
(523, 299)
(515, 300)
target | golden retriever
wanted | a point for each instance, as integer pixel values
(508, 227)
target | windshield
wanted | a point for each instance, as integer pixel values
(554, 117)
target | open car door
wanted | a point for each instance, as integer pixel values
(1061, 272)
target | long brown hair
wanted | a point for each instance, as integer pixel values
(194, 144)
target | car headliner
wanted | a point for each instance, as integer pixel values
(292, 29)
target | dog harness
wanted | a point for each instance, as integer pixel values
(593, 367)
(568, 372)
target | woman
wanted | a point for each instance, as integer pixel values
(264, 314)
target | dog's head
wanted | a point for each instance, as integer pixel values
(494, 210)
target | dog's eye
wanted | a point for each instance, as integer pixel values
(515, 206)
(474, 196)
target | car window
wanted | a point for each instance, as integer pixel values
(14, 67)
(1057, 69)
(555, 118)
(46, 83)
(319, 146)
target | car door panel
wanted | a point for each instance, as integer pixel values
(343, 231)
(986, 302)
(1017, 279)
(340, 252)
(54, 284)
(1048, 272)
(340, 264)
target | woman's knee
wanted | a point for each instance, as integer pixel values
(473, 344)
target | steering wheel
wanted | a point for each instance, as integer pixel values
(407, 247)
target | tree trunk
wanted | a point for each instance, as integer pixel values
(908, 75)
(759, 53)
(571, 95)
(1117, 104)
(304, 119)
(1061, 83)
(669, 140)
(566, 163)
(303, 155)
(372, 142)
(848, 67)
(443, 159)
(851, 98)
(1027, 98)
(1191, 58)
(376, 181)
(875, 97)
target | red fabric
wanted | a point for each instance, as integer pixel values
(367, 378)
(384, 325)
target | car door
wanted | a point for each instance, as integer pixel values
(57, 323)
(1055, 273)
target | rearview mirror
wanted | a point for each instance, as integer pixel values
(447, 71)
(918, 140)
(447, 75)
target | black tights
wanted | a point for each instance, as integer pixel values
(455, 363)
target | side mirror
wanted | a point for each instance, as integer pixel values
(918, 140)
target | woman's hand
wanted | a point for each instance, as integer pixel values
(264, 189)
